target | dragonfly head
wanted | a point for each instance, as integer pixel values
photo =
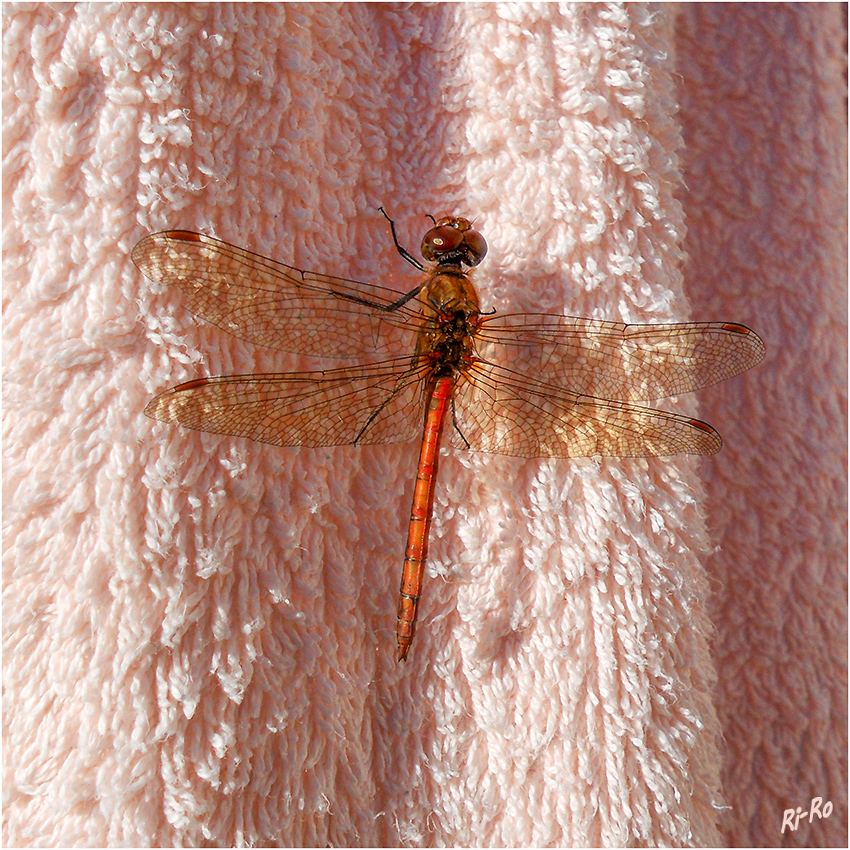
(452, 241)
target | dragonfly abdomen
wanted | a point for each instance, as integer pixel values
(420, 514)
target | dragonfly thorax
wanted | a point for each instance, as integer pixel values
(449, 354)
(448, 345)
(449, 292)
(450, 305)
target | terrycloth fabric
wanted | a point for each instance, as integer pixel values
(764, 126)
(198, 631)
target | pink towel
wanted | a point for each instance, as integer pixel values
(199, 631)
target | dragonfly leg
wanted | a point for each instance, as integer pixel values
(457, 427)
(400, 248)
(400, 385)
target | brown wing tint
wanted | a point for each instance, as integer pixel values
(378, 403)
(275, 305)
(615, 361)
(500, 411)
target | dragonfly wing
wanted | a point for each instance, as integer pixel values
(275, 305)
(378, 403)
(615, 361)
(500, 411)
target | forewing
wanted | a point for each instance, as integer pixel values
(275, 305)
(497, 410)
(378, 403)
(611, 360)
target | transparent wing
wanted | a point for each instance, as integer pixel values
(611, 360)
(497, 410)
(378, 403)
(275, 305)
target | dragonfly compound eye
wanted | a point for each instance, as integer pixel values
(440, 241)
(476, 247)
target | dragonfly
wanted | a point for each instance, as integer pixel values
(432, 364)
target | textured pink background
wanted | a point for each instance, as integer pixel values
(198, 631)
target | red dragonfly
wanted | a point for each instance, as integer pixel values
(525, 384)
